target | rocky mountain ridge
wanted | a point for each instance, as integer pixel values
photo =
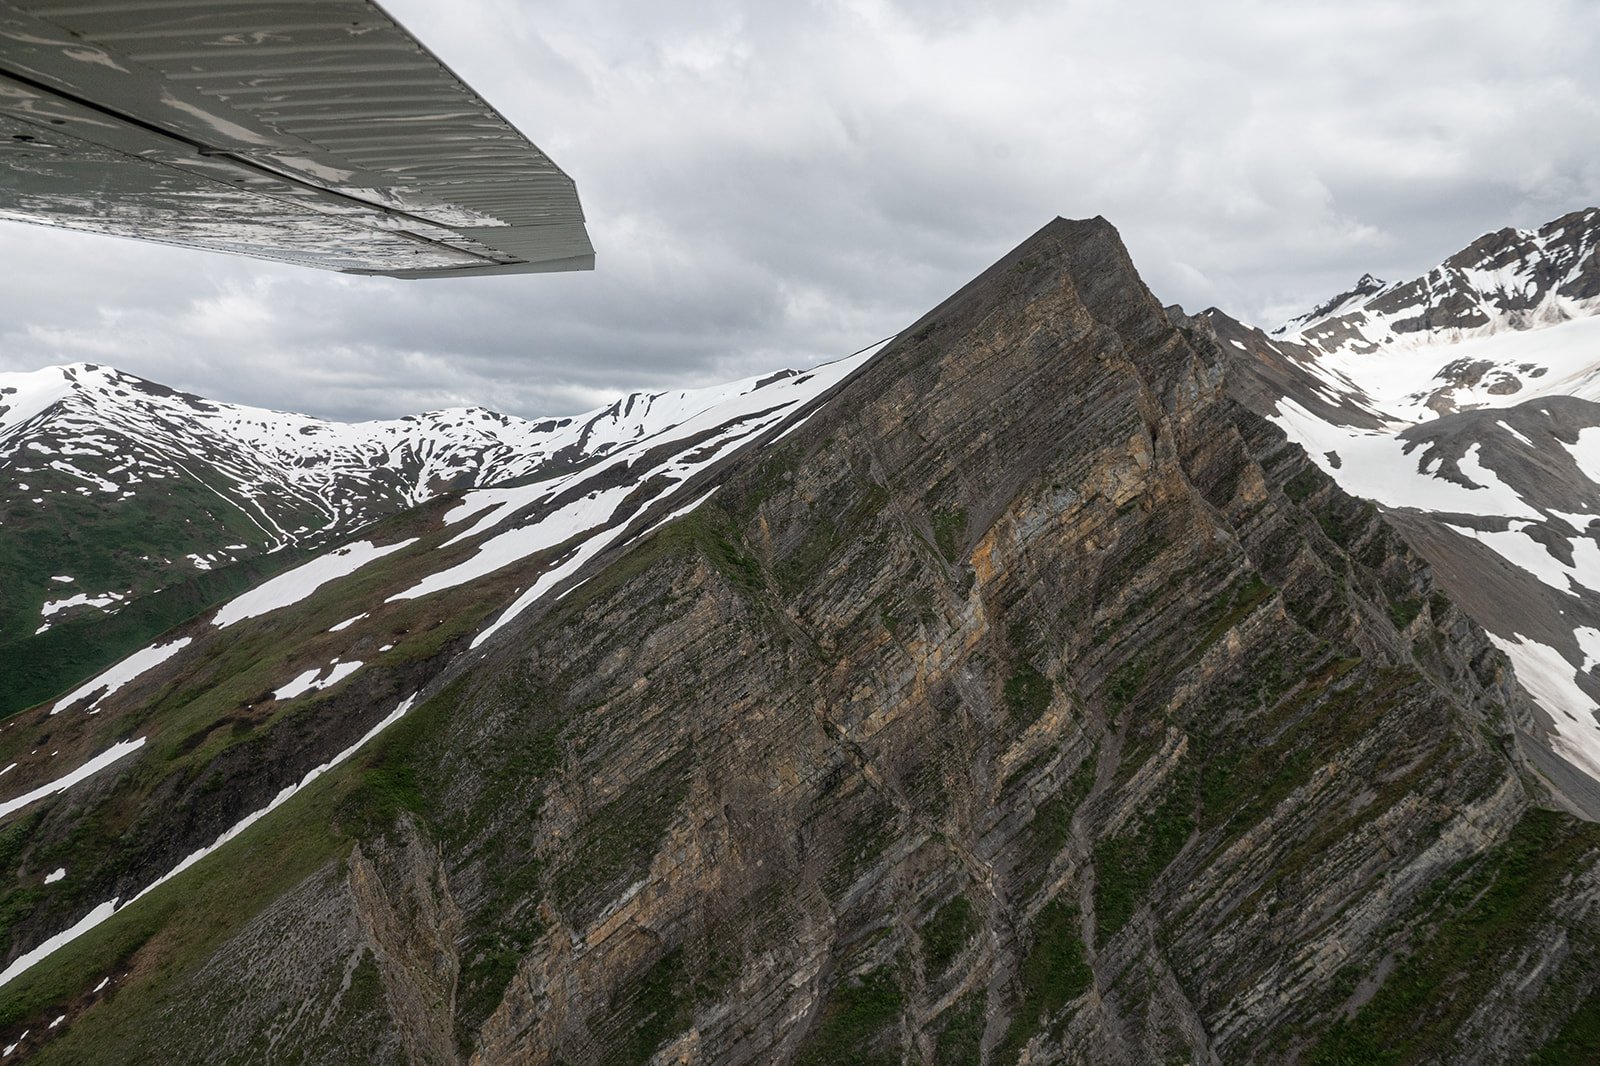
(1013, 696)
(1478, 437)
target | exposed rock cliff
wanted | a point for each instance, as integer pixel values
(1033, 701)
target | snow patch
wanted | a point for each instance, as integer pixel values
(1511, 430)
(82, 599)
(1552, 682)
(60, 940)
(119, 675)
(1589, 644)
(1525, 553)
(82, 773)
(312, 680)
(503, 549)
(295, 585)
(23, 396)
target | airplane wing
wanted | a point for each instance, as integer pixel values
(316, 132)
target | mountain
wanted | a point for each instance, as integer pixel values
(1509, 280)
(129, 507)
(1014, 695)
(1462, 403)
(244, 704)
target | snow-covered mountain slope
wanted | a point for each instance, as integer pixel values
(1504, 281)
(1463, 403)
(277, 467)
(290, 677)
(121, 499)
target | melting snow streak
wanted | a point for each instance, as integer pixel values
(61, 784)
(107, 909)
(295, 585)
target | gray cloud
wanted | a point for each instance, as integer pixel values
(773, 185)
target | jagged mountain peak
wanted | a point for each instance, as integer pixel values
(1464, 403)
(1365, 287)
(1472, 333)
(1507, 280)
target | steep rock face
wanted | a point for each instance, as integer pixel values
(1031, 702)
(389, 918)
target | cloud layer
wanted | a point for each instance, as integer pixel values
(772, 185)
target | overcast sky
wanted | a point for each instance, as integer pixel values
(776, 184)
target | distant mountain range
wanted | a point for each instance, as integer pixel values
(1507, 281)
(125, 507)
(1070, 680)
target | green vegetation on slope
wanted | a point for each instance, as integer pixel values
(960, 1039)
(174, 929)
(1478, 919)
(1053, 973)
(950, 929)
(41, 666)
(136, 547)
(859, 1024)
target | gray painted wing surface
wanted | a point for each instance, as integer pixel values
(316, 132)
